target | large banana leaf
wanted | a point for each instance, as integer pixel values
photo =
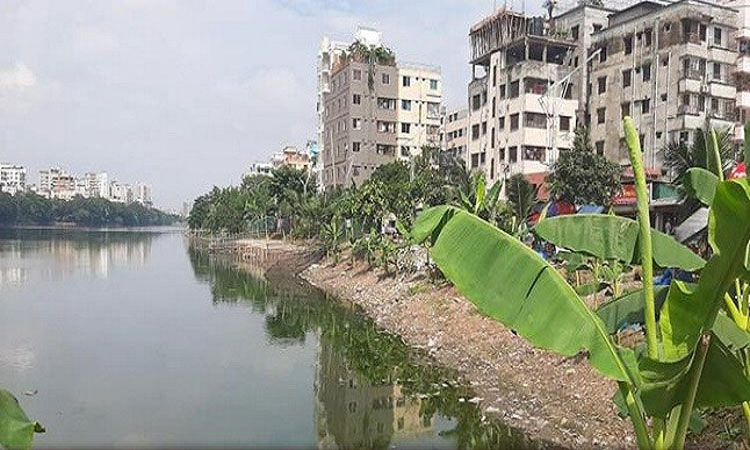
(688, 312)
(16, 430)
(723, 382)
(509, 282)
(612, 237)
(628, 308)
(701, 184)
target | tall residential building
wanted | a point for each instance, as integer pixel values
(456, 133)
(47, 178)
(120, 192)
(97, 184)
(669, 66)
(375, 111)
(742, 66)
(329, 52)
(12, 178)
(142, 194)
(521, 114)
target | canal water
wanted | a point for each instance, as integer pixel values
(133, 339)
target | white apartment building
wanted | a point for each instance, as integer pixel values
(120, 192)
(519, 117)
(456, 133)
(742, 66)
(97, 184)
(329, 52)
(142, 194)
(12, 178)
(419, 94)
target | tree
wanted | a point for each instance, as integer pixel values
(582, 177)
(522, 196)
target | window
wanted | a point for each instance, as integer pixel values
(476, 102)
(645, 105)
(356, 99)
(387, 103)
(494, 75)
(405, 127)
(406, 105)
(714, 104)
(434, 85)
(602, 85)
(355, 146)
(717, 36)
(494, 107)
(356, 74)
(603, 54)
(665, 60)
(574, 33)
(513, 122)
(533, 153)
(492, 138)
(702, 28)
(535, 86)
(600, 115)
(664, 97)
(474, 160)
(625, 109)
(501, 123)
(502, 91)
(627, 77)
(475, 132)
(564, 123)
(386, 78)
(484, 128)
(356, 123)
(534, 120)
(386, 127)
(646, 72)
(514, 89)
(628, 42)
(433, 110)
(513, 154)
(406, 81)
(647, 36)
(717, 71)
(599, 148)
(405, 150)
(667, 27)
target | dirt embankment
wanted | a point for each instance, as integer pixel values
(549, 397)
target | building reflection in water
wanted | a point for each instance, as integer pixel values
(352, 412)
(28, 255)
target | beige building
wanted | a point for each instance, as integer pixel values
(521, 114)
(456, 133)
(291, 156)
(376, 113)
(667, 66)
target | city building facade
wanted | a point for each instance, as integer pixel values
(12, 178)
(456, 133)
(376, 111)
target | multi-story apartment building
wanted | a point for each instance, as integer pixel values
(376, 111)
(47, 179)
(12, 178)
(521, 113)
(142, 194)
(329, 52)
(742, 66)
(121, 193)
(456, 133)
(97, 184)
(669, 66)
(291, 156)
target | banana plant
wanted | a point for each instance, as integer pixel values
(332, 234)
(16, 429)
(686, 366)
(702, 184)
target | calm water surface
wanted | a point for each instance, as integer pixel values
(134, 339)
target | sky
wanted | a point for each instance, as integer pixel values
(185, 94)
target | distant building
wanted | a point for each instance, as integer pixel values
(63, 187)
(143, 194)
(120, 192)
(456, 133)
(97, 185)
(259, 168)
(375, 111)
(47, 178)
(290, 156)
(12, 178)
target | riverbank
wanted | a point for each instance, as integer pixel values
(550, 398)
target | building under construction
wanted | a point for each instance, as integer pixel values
(522, 107)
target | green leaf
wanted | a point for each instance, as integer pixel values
(713, 156)
(628, 308)
(729, 333)
(511, 283)
(573, 260)
(587, 289)
(612, 237)
(723, 382)
(428, 222)
(701, 184)
(687, 312)
(16, 430)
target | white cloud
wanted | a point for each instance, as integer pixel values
(18, 76)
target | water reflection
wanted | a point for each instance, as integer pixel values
(29, 255)
(370, 390)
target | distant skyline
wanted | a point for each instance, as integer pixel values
(184, 95)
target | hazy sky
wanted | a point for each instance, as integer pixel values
(185, 94)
